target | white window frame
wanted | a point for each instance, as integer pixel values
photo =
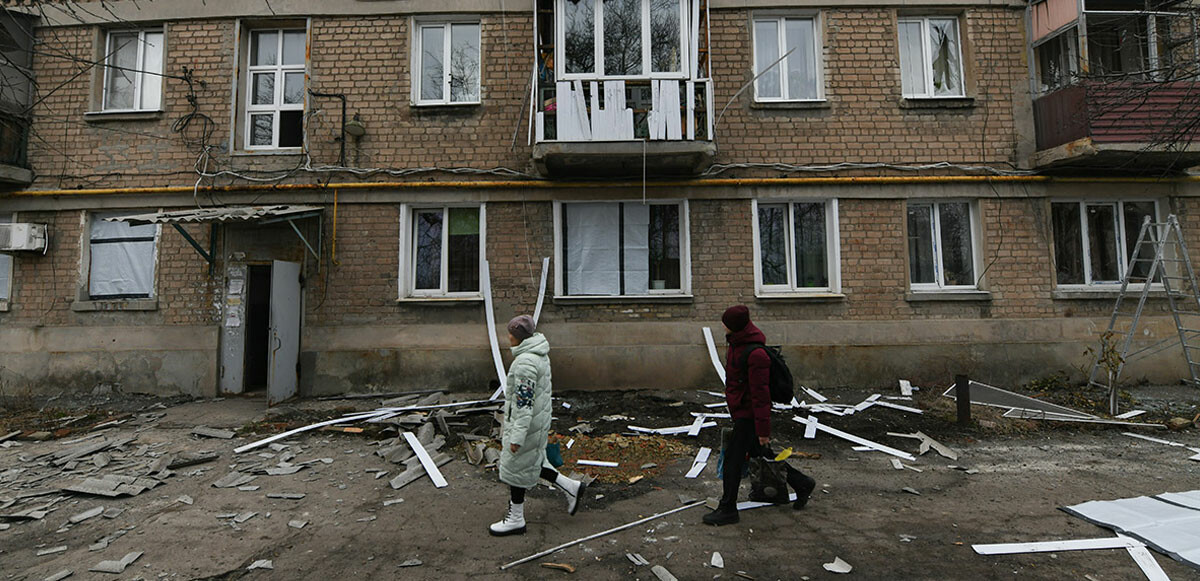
(939, 270)
(7, 264)
(781, 43)
(833, 252)
(1122, 257)
(408, 252)
(560, 46)
(925, 60)
(86, 263)
(685, 253)
(416, 25)
(280, 70)
(140, 76)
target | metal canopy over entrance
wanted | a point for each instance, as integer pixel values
(214, 216)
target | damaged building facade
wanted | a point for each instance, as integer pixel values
(315, 196)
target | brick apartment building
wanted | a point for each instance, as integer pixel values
(897, 189)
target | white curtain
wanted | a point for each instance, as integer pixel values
(6, 264)
(637, 249)
(592, 248)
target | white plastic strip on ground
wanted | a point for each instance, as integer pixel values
(430, 466)
(694, 429)
(1155, 440)
(1145, 560)
(699, 463)
(1056, 546)
(1027, 414)
(288, 433)
(597, 463)
(669, 431)
(903, 408)
(1167, 527)
(749, 504)
(1129, 414)
(1188, 499)
(812, 421)
(906, 387)
(491, 328)
(814, 394)
(712, 353)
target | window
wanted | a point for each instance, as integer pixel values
(942, 252)
(441, 251)
(621, 38)
(6, 268)
(1058, 61)
(133, 70)
(797, 77)
(930, 58)
(797, 246)
(275, 95)
(438, 44)
(622, 248)
(121, 259)
(1093, 240)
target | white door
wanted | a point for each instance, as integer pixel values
(285, 331)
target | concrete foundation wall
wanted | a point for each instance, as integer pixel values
(152, 360)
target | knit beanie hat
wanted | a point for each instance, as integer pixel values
(521, 327)
(736, 317)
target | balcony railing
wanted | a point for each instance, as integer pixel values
(1147, 114)
(618, 110)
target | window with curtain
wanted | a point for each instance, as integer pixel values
(6, 266)
(795, 78)
(622, 248)
(133, 66)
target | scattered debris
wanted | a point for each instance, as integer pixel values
(297, 524)
(52, 551)
(185, 460)
(1136, 549)
(911, 490)
(207, 432)
(261, 564)
(907, 388)
(662, 573)
(636, 479)
(233, 480)
(392, 501)
(717, 561)
(616, 418)
(428, 463)
(113, 485)
(699, 463)
(1129, 414)
(185, 499)
(559, 566)
(597, 463)
(896, 464)
(987, 395)
(59, 576)
(812, 425)
(92, 513)
(116, 567)
(636, 559)
(243, 517)
(411, 563)
(838, 566)
(286, 495)
(1167, 522)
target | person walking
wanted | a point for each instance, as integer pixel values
(523, 432)
(748, 396)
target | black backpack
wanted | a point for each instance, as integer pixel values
(781, 377)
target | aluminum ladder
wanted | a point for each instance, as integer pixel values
(1159, 244)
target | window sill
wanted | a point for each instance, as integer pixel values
(106, 116)
(89, 306)
(816, 297)
(268, 152)
(769, 105)
(937, 102)
(600, 300)
(445, 105)
(947, 296)
(439, 300)
(1105, 294)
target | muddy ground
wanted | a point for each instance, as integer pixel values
(1021, 472)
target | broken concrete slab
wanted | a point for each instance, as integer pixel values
(207, 432)
(233, 480)
(91, 513)
(243, 517)
(185, 460)
(117, 567)
(112, 485)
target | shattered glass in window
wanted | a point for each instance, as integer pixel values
(946, 57)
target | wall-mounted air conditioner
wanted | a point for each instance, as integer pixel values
(22, 236)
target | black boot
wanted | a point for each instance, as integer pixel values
(802, 484)
(726, 514)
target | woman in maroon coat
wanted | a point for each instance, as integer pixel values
(748, 395)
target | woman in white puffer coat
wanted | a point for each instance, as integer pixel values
(526, 426)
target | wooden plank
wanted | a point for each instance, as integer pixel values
(434, 474)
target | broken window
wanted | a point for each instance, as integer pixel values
(1058, 61)
(121, 258)
(621, 38)
(447, 62)
(6, 267)
(941, 245)
(796, 77)
(1093, 240)
(623, 248)
(796, 246)
(444, 248)
(133, 70)
(275, 88)
(930, 57)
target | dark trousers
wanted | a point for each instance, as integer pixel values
(743, 442)
(517, 495)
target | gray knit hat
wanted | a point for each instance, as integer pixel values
(521, 327)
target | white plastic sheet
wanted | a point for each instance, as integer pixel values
(6, 264)
(1169, 528)
(637, 249)
(593, 246)
(122, 258)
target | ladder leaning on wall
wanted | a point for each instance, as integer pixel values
(1159, 245)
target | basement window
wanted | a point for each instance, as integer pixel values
(615, 249)
(441, 249)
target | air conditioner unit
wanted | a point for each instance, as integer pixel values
(22, 236)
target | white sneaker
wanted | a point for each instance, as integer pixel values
(513, 522)
(572, 489)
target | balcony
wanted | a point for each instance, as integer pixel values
(1132, 126)
(623, 88)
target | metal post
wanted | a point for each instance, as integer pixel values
(962, 395)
